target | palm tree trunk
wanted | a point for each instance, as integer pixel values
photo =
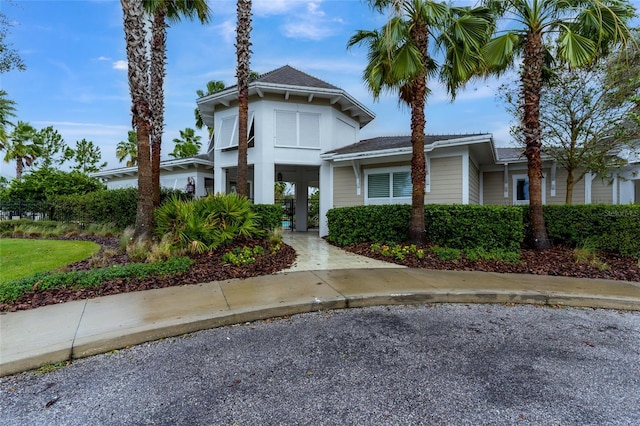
(141, 113)
(243, 51)
(531, 86)
(418, 167)
(19, 167)
(158, 59)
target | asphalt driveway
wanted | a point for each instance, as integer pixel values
(440, 364)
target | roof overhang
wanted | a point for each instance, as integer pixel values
(445, 143)
(347, 104)
(168, 166)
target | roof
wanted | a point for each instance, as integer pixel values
(167, 165)
(293, 77)
(287, 81)
(399, 145)
(510, 154)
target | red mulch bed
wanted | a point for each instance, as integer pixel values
(557, 261)
(207, 267)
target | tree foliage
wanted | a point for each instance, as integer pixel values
(54, 150)
(9, 57)
(187, 145)
(23, 146)
(87, 157)
(42, 184)
(128, 148)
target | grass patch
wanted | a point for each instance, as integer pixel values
(21, 258)
(12, 290)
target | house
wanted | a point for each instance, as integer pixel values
(174, 174)
(306, 131)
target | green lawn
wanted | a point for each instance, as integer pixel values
(22, 258)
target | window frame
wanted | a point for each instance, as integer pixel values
(390, 199)
(514, 182)
(298, 138)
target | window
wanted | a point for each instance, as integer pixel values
(521, 189)
(228, 136)
(297, 129)
(388, 186)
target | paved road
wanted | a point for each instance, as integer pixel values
(442, 364)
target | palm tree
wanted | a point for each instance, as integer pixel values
(243, 52)
(22, 146)
(581, 30)
(128, 148)
(163, 10)
(399, 61)
(138, 73)
(212, 87)
(188, 145)
(7, 109)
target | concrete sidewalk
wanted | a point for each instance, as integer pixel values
(32, 338)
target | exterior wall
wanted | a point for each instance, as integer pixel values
(493, 189)
(601, 191)
(344, 188)
(446, 181)
(474, 183)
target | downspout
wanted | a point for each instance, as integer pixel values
(553, 178)
(355, 164)
(505, 183)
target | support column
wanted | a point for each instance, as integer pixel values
(219, 180)
(326, 196)
(302, 200)
(263, 181)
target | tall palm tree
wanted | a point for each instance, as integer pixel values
(581, 30)
(187, 145)
(213, 86)
(23, 146)
(128, 148)
(138, 73)
(163, 11)
(399, 61)
(7, 110)
(243, 72)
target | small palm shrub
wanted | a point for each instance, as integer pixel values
(206, 223)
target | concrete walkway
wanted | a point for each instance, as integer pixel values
(29, 339)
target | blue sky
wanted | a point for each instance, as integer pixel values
(76, 77)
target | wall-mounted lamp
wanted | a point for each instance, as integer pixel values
(279, 177)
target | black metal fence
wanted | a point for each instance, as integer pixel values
(34, 210)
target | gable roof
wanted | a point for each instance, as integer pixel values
(394, 145)
(287, 81)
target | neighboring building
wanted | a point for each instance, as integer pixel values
(306, 131)
(174, 174)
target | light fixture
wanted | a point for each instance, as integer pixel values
(279, 177)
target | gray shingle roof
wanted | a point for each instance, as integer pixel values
(392, 142)
(288, 75)
(503, 154)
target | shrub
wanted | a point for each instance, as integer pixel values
(455, 226)
(613, 228)
(269, 216)
(206, 223)
(115, 206)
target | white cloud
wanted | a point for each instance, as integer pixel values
(120, 65)
(104, 58)
(227, 30)
(274, 7)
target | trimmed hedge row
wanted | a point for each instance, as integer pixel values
(454, 226)
(614, 228)
(116, 206)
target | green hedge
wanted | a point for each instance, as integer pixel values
(614, 228)
(269, 215)
(471, 226)
(110, 206)
(455, 226)
(380, 224)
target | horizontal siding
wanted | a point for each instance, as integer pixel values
(446, 181)
(493, 189)
(561, 188)
(344, 188)
(601, 191)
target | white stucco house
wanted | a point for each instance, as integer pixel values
(306, 131)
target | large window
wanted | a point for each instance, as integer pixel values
(388, 186)
(297, 129)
